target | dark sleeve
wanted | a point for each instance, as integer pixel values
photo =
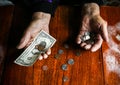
(79, 3)
(99, 2)
(47, 6)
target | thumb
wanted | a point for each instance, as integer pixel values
(25, 39)
(104, 32)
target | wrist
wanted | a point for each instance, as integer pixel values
(91, 9)
(41, 16)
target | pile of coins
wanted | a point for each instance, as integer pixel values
(85, 37)
(88, 38)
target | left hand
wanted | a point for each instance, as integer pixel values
(93, 24)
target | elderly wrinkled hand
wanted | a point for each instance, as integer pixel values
(93, 29)
(39, 22)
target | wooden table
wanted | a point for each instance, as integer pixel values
(88, 68)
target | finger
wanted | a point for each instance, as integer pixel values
(24, 41)
(45, 56)
(104, 32)
(30, 41)
(88, 46)
(83, 44)
(97, 44)
(40, 57)
(78, 40)
(48, 52)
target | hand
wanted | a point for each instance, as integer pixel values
(40, 22)
(93, 24)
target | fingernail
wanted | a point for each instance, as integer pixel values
(45, 56)
(87, 47)
(48, 52)
(93, 50)
(22, 40)
(40, 58)
(78, 42)
(18, 46)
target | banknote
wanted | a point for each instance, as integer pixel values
(41, 43)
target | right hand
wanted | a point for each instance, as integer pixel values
(96, 25)
(40, 22)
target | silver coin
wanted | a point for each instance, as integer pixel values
(65, 78)
(87, 33)
(60, 51)
(64, 67)
(85, 37)
(90, 42)
(71, 61)
(44, 67)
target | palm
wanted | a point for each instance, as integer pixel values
(96, 26)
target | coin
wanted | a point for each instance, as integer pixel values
(41, 46)
(64, 67)
(71, 61)
(57, 56)
(85, 37)
(60, 51)
(90, 41)
(65, 78)
(87, 33)
(44, 67)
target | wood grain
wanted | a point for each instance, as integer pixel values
(111, 57)
(88, 69)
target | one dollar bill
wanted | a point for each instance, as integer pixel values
(41, 43)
